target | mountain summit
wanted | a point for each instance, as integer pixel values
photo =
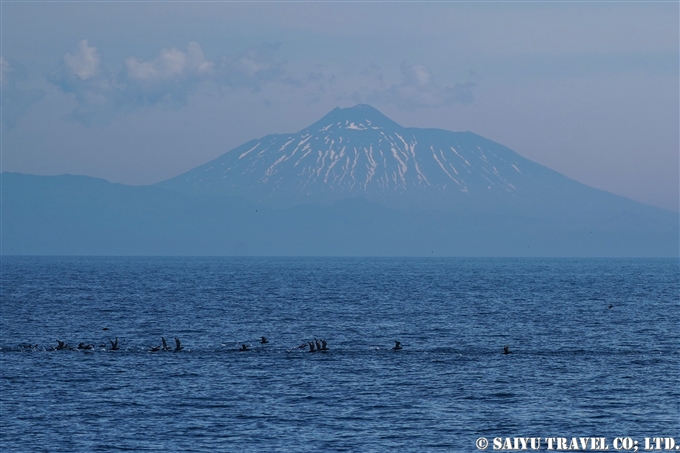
(359, 152)
(359, 116)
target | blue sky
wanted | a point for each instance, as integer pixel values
(140, 92)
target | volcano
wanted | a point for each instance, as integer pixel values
(354, 183)
(359, 152)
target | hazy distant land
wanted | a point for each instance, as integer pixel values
(352, 184)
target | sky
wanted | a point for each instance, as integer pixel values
(139, 92)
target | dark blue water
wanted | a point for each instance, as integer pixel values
(578, 368)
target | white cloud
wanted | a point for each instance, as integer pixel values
(5, 68)
(85, 62)
(418, 90)
(254, 68)
(170, 63)
(417, 75)
(5, 73)
(168, 79)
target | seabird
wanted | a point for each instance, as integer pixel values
(243, 348)
(165, 344)
(611, 306)
(114, 344)
(154, 348)
(397, 345)
(178, 347)
(506, 349)
(311, 347)
(324, 345)
(263, 340)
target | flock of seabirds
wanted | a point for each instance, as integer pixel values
(314, 346)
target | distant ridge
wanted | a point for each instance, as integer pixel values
(359, 152)
(354, 183)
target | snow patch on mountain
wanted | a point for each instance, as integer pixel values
(360, 152)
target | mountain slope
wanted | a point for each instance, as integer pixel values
(352, 184)
(78, 215)
(358, 152)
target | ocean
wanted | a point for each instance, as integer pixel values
(594, 352)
